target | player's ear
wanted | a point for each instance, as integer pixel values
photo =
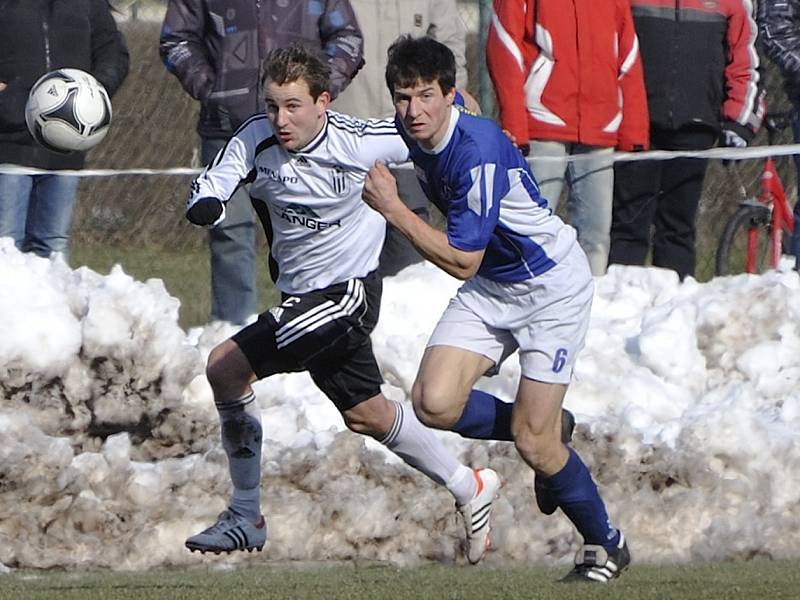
(450, 97)
(323, 100)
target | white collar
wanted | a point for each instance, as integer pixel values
(451, 127)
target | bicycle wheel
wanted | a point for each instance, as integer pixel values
(745, 242)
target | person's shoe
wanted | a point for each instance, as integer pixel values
(567, 426)
(600, 565)
(230, 532)
(477, 515)
(544, 500)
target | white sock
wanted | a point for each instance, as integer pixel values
(240, 422)
(422, 449)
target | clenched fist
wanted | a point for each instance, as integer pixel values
(205, 211)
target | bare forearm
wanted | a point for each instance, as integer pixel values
(433, 244)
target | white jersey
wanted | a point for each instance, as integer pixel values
(319, 230)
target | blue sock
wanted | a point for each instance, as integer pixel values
(485, 418)
(576, 493)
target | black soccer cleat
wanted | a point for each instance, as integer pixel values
(231, 532)
(596, 564)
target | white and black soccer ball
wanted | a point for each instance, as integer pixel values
(68, 110)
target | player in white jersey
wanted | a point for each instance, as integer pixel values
(528, 288)
(306, 166)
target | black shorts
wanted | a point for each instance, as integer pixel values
(326, 333)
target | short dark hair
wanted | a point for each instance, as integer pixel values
(420, 59)
(295, 63)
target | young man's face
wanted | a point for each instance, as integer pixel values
(424, 111)
(295, 116)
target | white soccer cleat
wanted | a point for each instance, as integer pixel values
(230, 532)
(477, 515)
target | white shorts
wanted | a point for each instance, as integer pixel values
(545, 317)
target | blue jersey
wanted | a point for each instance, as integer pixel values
(482, 184)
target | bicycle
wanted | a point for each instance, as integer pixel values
(759, 232)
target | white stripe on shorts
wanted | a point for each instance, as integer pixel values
(316, 317)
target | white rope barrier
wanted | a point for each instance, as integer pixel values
(714, 153)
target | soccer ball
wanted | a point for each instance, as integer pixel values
(68, 110)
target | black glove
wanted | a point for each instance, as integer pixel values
(205, 211)
(525, 149)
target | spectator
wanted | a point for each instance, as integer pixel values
(215, 49)
(36, 38)
(569, 82)
(779, 33)
(366, 97)
(702, 80)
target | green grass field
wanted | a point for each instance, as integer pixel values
(750, 580)
(186, 274)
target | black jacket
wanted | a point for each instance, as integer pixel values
(779, 34)
(215, 49)
(38, 36)
(700, 64)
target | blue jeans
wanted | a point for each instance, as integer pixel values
(591, 193)
(36, 211)
(232, 245)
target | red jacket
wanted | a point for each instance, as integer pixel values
(568, 70)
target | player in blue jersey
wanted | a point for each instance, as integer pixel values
(528, 288)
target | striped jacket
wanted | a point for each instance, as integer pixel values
(568, 70)
(700, 63)
(215, 49)
(779, 33)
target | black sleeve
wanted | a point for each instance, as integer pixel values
(109, 51)
(343, 43)
(183, 49)
(779, 34)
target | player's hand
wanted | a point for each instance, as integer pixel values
(205, 212)
(380, 189)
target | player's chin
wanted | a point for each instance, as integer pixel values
(288, 142)
(418, 132)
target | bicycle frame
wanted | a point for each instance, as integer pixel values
(773, 196)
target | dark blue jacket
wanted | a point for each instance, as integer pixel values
(215, 49)
(779, 35)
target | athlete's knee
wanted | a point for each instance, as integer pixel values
(224, 371)
(435, 405)
(373, 417)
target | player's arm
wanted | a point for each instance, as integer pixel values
(380, 192)
(231, 167)
(182, 47)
